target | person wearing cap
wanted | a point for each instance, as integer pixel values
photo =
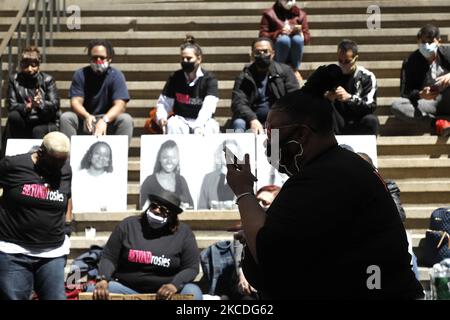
(150, 253)
(35, 204)
(33, 102)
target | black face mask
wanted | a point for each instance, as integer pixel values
(262, 61)
(30, 77)
(187, 67)
(49, 167)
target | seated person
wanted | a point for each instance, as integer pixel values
(191, 93)
(33, 102)
(287, 26)
(424, 83)
(98, 97)
(354, 100)
(150, 253)
(258, 86)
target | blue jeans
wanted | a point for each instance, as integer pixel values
(240, 125)
(117, 287)
(289, 50)
(20, 274)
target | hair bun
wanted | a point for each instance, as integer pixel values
(190, 39)
(323, 79)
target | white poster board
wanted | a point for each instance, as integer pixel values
(196, 160)
(268, 175)
(364, 143)
(100, 173)
(20, 146)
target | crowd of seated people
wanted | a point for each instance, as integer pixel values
(98, 103)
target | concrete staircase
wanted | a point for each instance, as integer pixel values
(147, 35)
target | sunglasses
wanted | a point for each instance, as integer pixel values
(95, 58)
(26, 63)
(162, 209)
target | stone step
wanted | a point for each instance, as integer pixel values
(223, 54)
(221, 220)
(229, 37)
(414, 191)
(252, 7)
(194, 23)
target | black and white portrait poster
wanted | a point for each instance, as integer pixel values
(267, 175)
(19, 146)
(192, 166)
(100, 171)
(366, 144)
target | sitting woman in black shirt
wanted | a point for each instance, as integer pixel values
(191, 94)
(150, 253)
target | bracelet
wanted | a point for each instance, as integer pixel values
(239, 197)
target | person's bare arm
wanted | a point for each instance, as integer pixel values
(69, 214)
(241, 180)
(77, 106)
(119, 106)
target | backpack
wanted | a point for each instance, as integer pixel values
(437, 238)
(151, 123)
(219, 267)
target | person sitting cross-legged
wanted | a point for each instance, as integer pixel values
(150, 253)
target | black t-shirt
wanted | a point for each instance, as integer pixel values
(32, 208)
(326, 228)
(189, 99)
(144, 259)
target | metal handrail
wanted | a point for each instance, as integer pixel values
(7, 38)
(43, 15)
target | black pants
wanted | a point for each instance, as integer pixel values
(19, 128)
(368, 124)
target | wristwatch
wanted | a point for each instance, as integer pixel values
(106, 119)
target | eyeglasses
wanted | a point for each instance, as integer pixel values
(163, 210)
(269, 128)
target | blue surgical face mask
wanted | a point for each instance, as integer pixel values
(428, 49)
(155, 221)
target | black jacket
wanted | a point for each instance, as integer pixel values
(20, 88)
(281, 81)
(414, 70)
(363, 88)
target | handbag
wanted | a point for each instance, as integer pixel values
(151, 123)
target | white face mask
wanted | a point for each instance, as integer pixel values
(287, 4)
(99, 67)
(155, 221)
(428, 49)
